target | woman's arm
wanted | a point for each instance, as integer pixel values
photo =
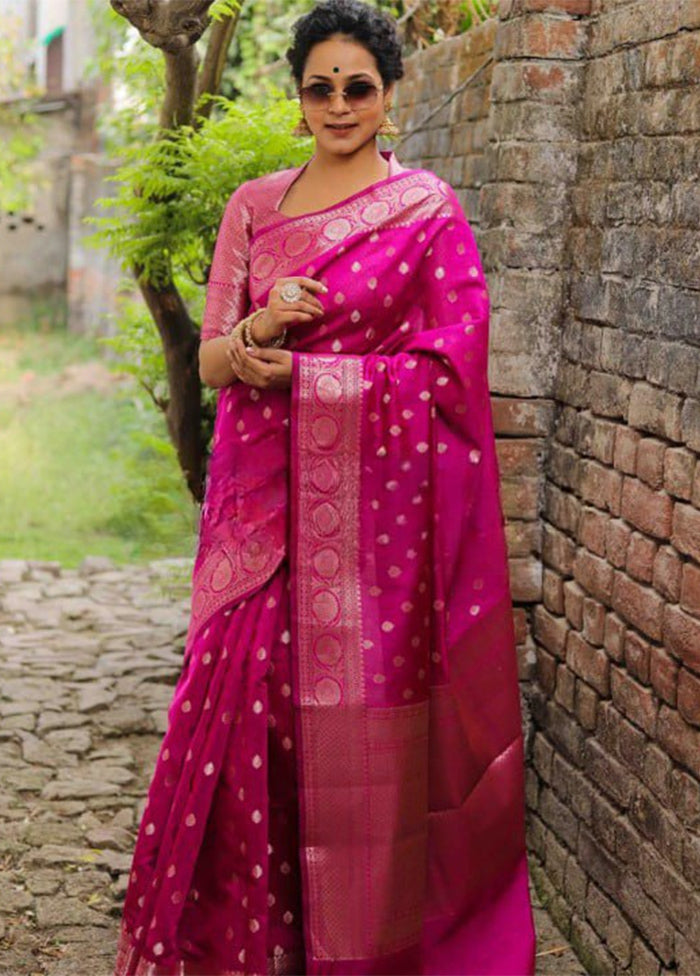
(227, 298)
(214, 364)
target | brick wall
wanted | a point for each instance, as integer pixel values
(576, 157)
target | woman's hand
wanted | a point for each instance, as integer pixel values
(278, 314)
(269, 368)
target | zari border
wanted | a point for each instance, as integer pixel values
(327, 545)
(404, 199)
(328, 638)
(363, 771)
(283, 964)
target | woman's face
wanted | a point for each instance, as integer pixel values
(337, 63)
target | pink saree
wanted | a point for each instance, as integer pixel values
(340, 788)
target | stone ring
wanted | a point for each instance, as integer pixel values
(291, 291)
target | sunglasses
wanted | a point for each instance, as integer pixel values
(358, 95)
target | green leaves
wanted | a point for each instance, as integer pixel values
(171, 193)
(224, 8)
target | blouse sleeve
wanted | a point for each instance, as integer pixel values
(227, 298)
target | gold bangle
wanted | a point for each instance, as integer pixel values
(248, 332)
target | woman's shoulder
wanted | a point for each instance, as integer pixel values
(440, 193)
(260, 190)
(434, 182)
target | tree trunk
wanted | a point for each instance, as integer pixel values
(174, 26)
(183, 414)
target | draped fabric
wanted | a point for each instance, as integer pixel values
(367, 493)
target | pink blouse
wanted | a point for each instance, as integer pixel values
(252, 206)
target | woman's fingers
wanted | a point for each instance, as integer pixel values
(309, 283)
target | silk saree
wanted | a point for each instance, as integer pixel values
(340, 789)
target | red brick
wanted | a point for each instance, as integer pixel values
(637, 652)
(558, 550)
(681, 634)
(526, 579)
(564, 731)
(648, 510)
(546, 671)
(695, 498)
(617, 541)
(686, 530)
(678, 475)
(690, 589)
(666, 887)
(559, 818)
(626, 444)
(655, 411)
(601, 486)
(663, 672)
(592, 530)
(689, 696)
(588, 662)
(595, 575)
(551, 631)
(687, 958)
(516, 417)
(614, 641)
(650, 461)
(522, 538)
(574, 7)
(635, 701)
(562, 508)
(691, 865)
(638, 604)
(593, 621)
(573, 603)
(586, 705)
(632, 746)
(549, 38)
(526, 661)
(667, 574)
(595, 437)
(563, 466)
(680, 739)
(640, 557)
(521, 624)
(520, 497)
(553, 591)
(656, 772)
(685, 797)
(519, 457)
(564, 690)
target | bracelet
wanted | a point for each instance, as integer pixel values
(247, 332)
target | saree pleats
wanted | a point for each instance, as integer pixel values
(215, 885)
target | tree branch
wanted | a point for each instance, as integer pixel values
(171, 25)
(180, 86)
(214, 62)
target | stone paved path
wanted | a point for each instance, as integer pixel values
(88, 661)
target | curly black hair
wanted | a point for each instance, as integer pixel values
(373, 28)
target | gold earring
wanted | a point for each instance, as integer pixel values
(302, 128)
(388, 127)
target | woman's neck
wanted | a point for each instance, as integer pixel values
(366, 165)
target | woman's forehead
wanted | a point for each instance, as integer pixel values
(340, 58)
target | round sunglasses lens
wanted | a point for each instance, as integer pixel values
(315, 96)
(361, 95)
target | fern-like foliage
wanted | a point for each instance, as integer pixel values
(171, 193)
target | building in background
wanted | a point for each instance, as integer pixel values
(50, 43)
(48, 276)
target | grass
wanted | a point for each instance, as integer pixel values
(83, 473)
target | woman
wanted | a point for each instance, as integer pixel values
(340, 788)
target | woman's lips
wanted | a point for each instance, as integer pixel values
(343, 128)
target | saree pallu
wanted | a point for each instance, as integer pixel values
(373, 481)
